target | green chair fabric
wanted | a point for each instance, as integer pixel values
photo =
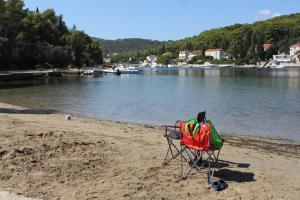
(216, 140)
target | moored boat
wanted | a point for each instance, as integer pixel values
(109, 70)
(88, 72)
(282, 61)
(127, 70)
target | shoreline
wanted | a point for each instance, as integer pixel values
(45, 156)
(227, 134)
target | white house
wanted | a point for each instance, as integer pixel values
(188, 55)
(107, 60)
(293, 52)
(151, 58)
(216, 53)
(193, 54)
(183, 55)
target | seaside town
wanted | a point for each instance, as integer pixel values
(184, 57)
(130, 100)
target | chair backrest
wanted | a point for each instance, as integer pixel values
(200, 141)
(201, 117)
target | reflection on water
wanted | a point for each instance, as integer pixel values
(244, 101)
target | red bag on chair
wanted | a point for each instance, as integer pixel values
(200, 140)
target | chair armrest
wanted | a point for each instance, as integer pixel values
(170, 126)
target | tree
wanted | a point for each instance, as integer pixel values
(165, 59)
(96, 53)
(30, 39)
(260, 48)
(78, 42)
(273, 50)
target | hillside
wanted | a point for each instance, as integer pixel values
(244, 42)
(130, 44)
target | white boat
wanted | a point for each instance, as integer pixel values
(224, 65)
(206, 65)
(109, 70)
(282, 61)
(88, 72)
(127, 70)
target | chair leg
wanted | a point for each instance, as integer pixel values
(193, 160)
(169, 147)
(210, 161)
(209, 172)
(179, 152)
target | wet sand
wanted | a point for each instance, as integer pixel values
(42, 155)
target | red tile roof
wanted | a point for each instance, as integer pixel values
(267, 46)
(214, 50)
(296, 45)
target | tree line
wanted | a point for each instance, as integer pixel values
(34, 39)
(128, 44)
(243, 43)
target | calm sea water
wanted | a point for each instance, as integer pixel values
(243, 101)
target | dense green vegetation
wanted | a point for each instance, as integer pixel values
(33, 39)
(243, 43)
(129, 44)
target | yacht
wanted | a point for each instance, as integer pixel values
(282, 61)
(88, 72)
(109, 70)
(127, 70)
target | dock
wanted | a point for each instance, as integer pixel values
(19, 75)
(6, 76)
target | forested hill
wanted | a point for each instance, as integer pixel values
(244, 42)
(130, 44)
(34, 39)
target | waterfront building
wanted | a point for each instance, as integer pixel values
(267, 46)
(150, 61)
(188, 55)
(215, 53)
(183, 55)
(151, 58)
(193, 54)
(293, 52)
(107, 60)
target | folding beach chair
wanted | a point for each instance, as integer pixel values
(200, 145)
(172, 134)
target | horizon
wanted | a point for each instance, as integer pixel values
(154, 22)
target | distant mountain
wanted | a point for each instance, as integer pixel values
(128, 45)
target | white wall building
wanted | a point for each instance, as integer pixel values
(293, 52)
(216, 53)
(107, 60)
(151, 58)
(188, 55)
(183, 55)
(193, 54)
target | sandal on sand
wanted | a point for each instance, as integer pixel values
(219, 185)
(216, 186)
(223, 184)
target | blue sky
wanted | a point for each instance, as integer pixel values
(161, 19)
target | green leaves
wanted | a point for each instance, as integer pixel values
(244, 43)
(31, 38)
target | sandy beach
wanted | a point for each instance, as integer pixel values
(44, 156)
